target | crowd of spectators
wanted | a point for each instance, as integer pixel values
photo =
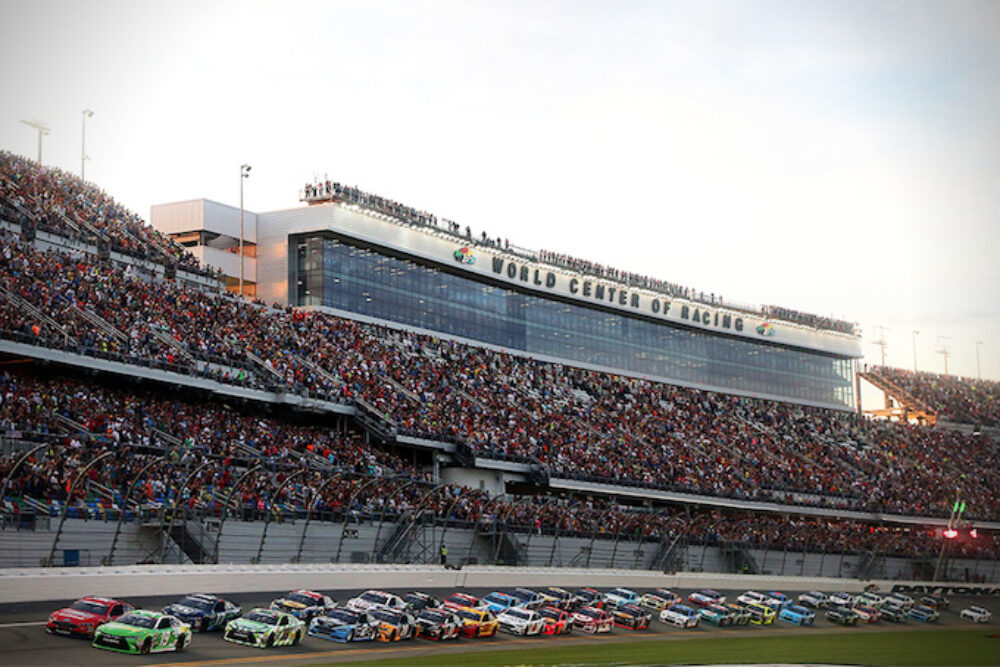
(954, 398)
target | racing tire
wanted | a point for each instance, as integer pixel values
(270, 641)
(181, 643)
(394, 637)
(146, 647)
(203, 626)
(350, 637)
(298, 638)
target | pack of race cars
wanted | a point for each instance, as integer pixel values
(378, 615)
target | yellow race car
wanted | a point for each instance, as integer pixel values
(477, 622)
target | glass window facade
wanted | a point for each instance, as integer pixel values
(330, 272)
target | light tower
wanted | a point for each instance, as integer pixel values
(43, 129)
(944, 349)
(882, 343)
(87, 113)
(979, 372)
(244, 174)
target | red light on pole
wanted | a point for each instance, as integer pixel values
(951, 533)
(973, 533)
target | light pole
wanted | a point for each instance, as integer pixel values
(915, 332)
(244, 174)
(979, 373)
(87, 113)
(43, 129)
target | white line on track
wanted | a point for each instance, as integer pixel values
(22, 624)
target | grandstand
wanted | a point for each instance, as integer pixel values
(413, 384)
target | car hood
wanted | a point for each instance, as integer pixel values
(250, 625)
(121, 630)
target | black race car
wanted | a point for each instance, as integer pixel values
(417, 601)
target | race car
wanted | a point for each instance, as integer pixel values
(738, 614)
(899, 600)
(631, 616)
(797, 615)
(619, 596)
(867, 613)
(716, 614)
(592, 620)
(924, 614)
(458, 600)
(368, 600)
(527, 598)
(344, 625)
(813, 599)
(976, 614)
(203, 612)
(141, 631)
(841, 599)
(417, 601)
(557, 621)
(81, 618)
(303, 605)
(706, 596)
(939, 602)
(438, 623)
(891, 612)
(680, 616)
(841, 615)
(558, 597)
(264, 628)
(760, 614)
(498, 602)
(589, 597)
(752, 597)
(660, 598)
(870, 600)
(394, 625)
(476, 622)
(521, 621)
(776, 600)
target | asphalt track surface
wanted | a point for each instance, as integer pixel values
(24, 641)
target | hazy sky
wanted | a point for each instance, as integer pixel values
(836, 157)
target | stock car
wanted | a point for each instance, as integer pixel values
(369, 600)
(760, 614)
(619, 596)
(141, 631)
(592, 620)
(924, 614)
(936, 601)
(841, 599)
(706, 596)
(716, 614)
(264, 628)
(203, 612)
(891, 612)
(899, 600)
(777, 601)
(797, 615)
(738, 614)
(417, 601)
(814, 599)
(660, 598)
(394, 625)
(81, 618)
(680, 616)
(476, 622)
(528, 598)
(752, 597)
(841, 615)
(303, 604)
(464, 600)
(589, 597)
(557, 621)
(870, 599)
(498, 602)
(867, 613)
(344, 625)
(976, 614)
(631, 616)
(521, 621)
(437, 624)
(557, 597)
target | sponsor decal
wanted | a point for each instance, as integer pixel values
(465, 256)
(949, 590)
(766, 329)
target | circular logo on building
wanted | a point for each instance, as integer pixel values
(465, 256)
(765, 329)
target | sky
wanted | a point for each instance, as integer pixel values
(841, 158)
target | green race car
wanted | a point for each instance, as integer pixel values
(141, 631)
(264, 628)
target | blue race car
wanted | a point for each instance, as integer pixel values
(527, 598)
(924, 614)
(498, 602)
(203, 612)
(715, 614)
(797, 615)
(341, 625)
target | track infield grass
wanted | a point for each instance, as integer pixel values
(932, 647)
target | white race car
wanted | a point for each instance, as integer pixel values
(752, 597)
(680, 616)
(621, 596)
(899, 600)
(518, 621)
(976, 614)
(369, 600)
(870, 599)
(841, 599)
(706, 596)
(814, 599)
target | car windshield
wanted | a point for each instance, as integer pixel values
(138, 621)
(621, 592)
(197, 603)
(262, 616)
(89, 607)
(302, 599)
(550, 613)
(468, 615)
(497, 598)
(375, 598)
(517, 613)
(591, 613)
(464, 600)
(519, 595)
(342, 616)
(386, 616)
(416, 600)
(432, 616)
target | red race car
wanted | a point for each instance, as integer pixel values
(557, 621)
(81, 618)
(459, 600)
(593, 620)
